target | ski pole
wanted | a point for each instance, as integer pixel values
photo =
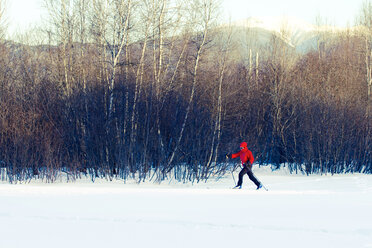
(232, 173)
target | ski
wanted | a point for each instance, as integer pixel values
(263, 186)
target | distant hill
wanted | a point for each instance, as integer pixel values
(257, 32)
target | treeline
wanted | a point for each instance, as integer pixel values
(156, 89)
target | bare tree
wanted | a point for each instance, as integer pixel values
(366, 22)
(147, 18)
(280, 60)
(225, 47)
(2, 18)
(202, 16)
(170, 31)
(62, 19)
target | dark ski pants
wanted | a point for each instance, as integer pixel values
(247, 170)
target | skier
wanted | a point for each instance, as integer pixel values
(247, 159)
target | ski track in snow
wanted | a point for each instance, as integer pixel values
(297, 211)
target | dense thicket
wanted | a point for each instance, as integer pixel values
(146, 89)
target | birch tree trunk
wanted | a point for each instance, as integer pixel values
(207, 8)
(62, 18)
(223, 57)
(124, 9)
(138, 88)
(366, 21)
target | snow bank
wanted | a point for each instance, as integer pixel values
(297, 211)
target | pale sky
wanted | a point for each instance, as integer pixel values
(334, 12)
(23, 14)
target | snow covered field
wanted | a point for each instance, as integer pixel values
(297, 211)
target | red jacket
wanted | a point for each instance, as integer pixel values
(244, 154)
